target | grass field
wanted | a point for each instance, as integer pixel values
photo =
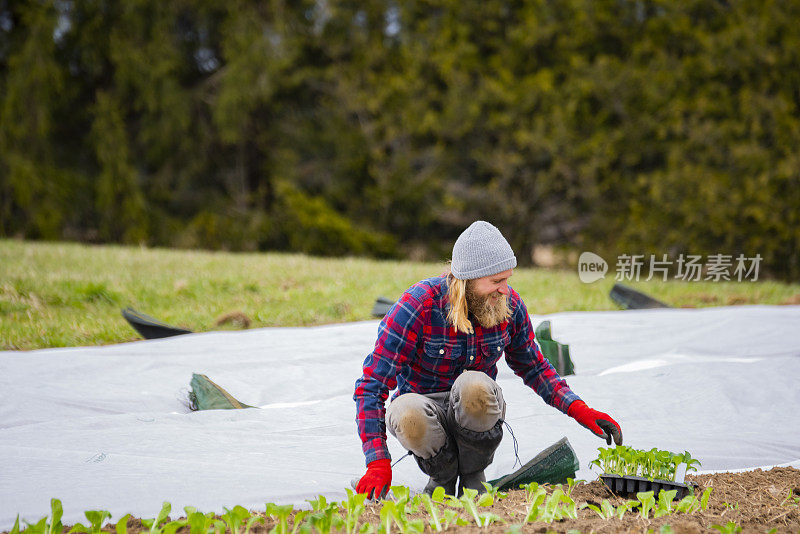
(66, 294)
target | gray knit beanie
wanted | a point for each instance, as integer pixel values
(481, 250)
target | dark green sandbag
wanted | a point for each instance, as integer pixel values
(206, 395)
(149, 327)
(629, 299)
(381, 306)
(556, 353)
(554, 465)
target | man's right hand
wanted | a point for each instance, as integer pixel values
(375, 483)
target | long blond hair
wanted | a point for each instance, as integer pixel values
(457, 296)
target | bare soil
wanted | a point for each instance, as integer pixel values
(755, 500)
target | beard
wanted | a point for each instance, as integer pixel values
(488, 310)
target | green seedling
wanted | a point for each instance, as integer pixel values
(468, 500)
(531, 489)
(281, 516)
(665, 503)
(96, 519)
(56, 512)
(535, 501)
(433, 511)
(552, 507)
(452, 517)
(571, 483)
(154, 525)
(688, 505)
(704, 498)
(440, 497)
(666, 529)
(298, 524)
(401, 493)
(326, 519)
(198, 522)
(236, 517)
(387, 516)
(493, 492)
(605, 510)
(40, 527)
(354, 507)
(791, 500)
(729, 528)
(15, 528)
(122, 525)
(691, 463)
(626, 507)
(318, 504)
(647, 502)
(570, 508)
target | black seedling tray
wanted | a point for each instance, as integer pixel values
(630, 485)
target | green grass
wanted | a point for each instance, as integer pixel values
(66, 294)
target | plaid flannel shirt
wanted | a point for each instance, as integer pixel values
(418, 351)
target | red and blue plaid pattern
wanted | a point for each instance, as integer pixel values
(418, 351)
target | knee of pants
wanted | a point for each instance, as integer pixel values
(477, 401)
(416, 421)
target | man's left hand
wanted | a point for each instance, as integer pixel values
(601, 424)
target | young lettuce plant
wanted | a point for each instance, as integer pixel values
(198, 522)
(326, 519)
(95, 518)
(36, 528)
(493, 492)
(570, 508)
(665, 503)
(647, 501)
(730, 528)
(354, 507)
(433, 512)
(552, 507)
(154, 525)
(468, 500)
(535, 501)
(56, 512)
(626, 507)
(605, 510)
(236, 517)
(281, 516)
(690, 504)
(42, 526)
(122, 525)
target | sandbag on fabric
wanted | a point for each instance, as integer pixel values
(207, 395)
(556, 353)
(149, 327)
(554, 465)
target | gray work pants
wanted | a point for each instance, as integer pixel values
(420, 423)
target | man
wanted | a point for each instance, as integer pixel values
(439, 344)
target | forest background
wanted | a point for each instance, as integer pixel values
(382, 128)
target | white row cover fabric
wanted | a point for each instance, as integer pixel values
(108, 428)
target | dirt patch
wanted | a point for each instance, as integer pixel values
(795, 299)
(757, 501)
(235, 318)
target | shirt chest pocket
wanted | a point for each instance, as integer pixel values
(492, 346)
(440, 358)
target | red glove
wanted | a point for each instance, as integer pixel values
(377, 480)
(601, 424)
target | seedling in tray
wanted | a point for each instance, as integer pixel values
(627, 470)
